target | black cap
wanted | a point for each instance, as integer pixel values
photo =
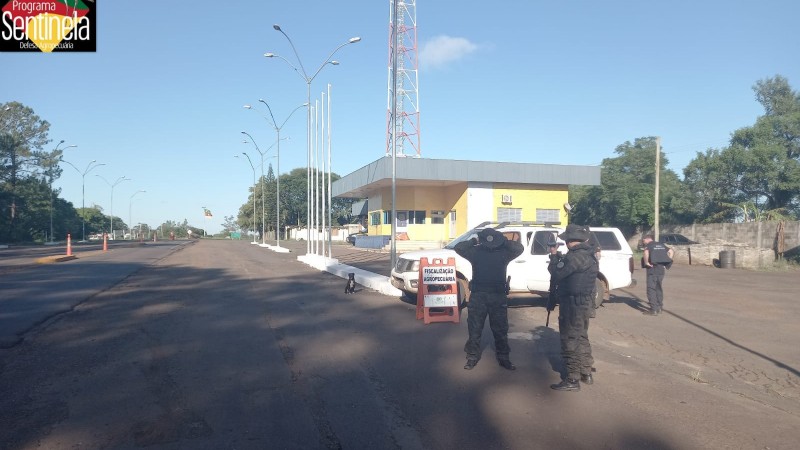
(491, 238)
(575, 233)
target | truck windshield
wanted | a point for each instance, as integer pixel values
(464, 237)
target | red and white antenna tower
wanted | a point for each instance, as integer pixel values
(402, 117)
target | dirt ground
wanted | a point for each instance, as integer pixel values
(735, 330)
(228, 345)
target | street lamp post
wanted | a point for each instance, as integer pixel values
(130, 219)
(263, 208)
(278, 163)
(308, 79)
(254, 192)
(113, 185)
(263, 212)
(89, 168)
(55, 157)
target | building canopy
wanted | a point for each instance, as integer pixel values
(444, 172)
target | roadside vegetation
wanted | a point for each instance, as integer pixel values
(756, 177)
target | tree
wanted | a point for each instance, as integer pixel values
(760, 167)
(22, 133)
(96, 221)
(708, 179)
(245, 218)
(293, 197)
(270, 193)
(626, 195)
(230, 225)
(293, 202)
(180, 229)
(66, 219)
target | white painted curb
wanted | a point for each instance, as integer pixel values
(363, 277)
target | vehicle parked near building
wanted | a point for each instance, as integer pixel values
(528, 272)
(671, 239)
(351, 238)
(676, 239)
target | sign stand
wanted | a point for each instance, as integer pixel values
(437, 291)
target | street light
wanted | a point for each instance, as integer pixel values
(52, 163)
(254, 192)
(118, 181)
(89, 168)
(263, 213)
(278, 163)
(308, 79)
(130, 219)
(263, 209)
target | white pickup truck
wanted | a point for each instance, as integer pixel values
(528, 271)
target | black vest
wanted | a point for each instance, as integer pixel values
(577, 272)
(659, 253)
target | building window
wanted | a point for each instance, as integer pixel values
(387, 217)
(375, 218)
(416, 217)
(547, 215)
(509, 214)
(437, 217)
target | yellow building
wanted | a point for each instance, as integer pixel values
(438, 200)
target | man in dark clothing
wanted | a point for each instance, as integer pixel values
(489, 256)
(656, 259)
(574, 275)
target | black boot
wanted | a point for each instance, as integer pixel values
(471, 363)
(567, 384)
(652, 312)
(506, 364)
(587, 379)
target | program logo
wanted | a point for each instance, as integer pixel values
(48, 26)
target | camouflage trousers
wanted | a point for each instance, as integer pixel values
(495, 306)
(573, 326)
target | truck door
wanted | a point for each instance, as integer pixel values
(529, 271)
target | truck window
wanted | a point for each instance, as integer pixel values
(540, 240)
(606, 240)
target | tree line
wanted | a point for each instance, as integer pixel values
(30, 163)
(261, 216)
(755, 177)
(30, 207)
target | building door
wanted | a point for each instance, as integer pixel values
(453, 232)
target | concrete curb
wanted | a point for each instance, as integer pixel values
(365, 278)
(275, 248)
(55, 259)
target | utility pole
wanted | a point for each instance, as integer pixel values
(393, 127)
(658, 173)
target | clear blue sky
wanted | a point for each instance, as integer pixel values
(160, 101)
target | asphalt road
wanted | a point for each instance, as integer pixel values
(223, 344)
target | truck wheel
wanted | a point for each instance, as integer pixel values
(599, 292)
(463, 293)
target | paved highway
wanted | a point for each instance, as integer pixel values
(223, 344)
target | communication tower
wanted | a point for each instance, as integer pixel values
(402, 127)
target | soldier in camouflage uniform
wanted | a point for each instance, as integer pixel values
(489, 256)
(574, 274)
